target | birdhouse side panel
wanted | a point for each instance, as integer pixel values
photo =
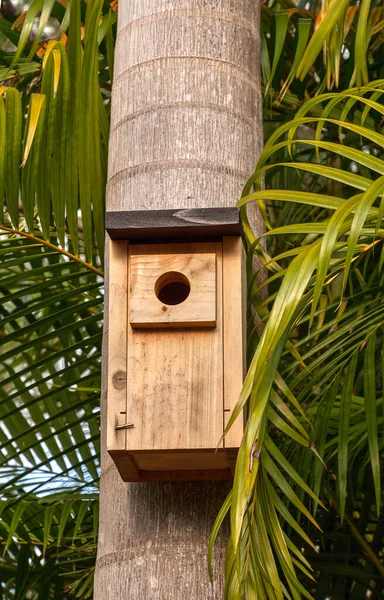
(234, 333)
(117, 342)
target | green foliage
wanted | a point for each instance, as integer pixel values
(50, 546)
(54, 105)
(61, 145)
(314, 388)
(308, 46)
(50, 372)
(305, 505)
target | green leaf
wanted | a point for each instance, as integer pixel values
(48, 517)
(361, 213)
(280, 481)
(327, 248)
(3, 142)
(43, 21)
(371, 414)
(284, 464)
(88, 154)
(30, 17)
(304, 29)
(215, 530)
(13, 152)
(361, 44)
(334, 11)
(64, 517)
(286, 514)
(343, 430)
(17, 515)
(281, 27)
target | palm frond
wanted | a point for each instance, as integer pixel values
(51, 315)
(307, 47)
(49, 546)
(324, 318)
(54, 105)
(51, 320)
(55, 159)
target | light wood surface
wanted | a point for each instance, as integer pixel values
(199, 275)
(117, 342)
(177, 387)
(143, 467)
(234, 291)
(175, 383)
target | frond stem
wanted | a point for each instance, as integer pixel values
(73, 257)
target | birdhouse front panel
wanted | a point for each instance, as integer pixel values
(175, 358)
(172, 289)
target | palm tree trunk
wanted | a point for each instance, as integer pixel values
(186, 132)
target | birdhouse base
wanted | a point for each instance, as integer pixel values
(180, 465)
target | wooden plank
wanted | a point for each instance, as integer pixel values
(233, 319)
(117, 343)
(173, 290)
(126, 465)
(175, 387)
(192, 223)
(181, 460)
(199, 465)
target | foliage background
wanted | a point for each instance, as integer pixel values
(321, 392)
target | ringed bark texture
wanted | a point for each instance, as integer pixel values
(186, 132)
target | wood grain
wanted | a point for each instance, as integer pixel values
(183, 225)
(180, 386)
(146, 271)
(117, 342)
(175, 384)
(234, 292)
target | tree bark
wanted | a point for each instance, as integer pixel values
(186, 132)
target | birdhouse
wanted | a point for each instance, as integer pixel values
(175, 343)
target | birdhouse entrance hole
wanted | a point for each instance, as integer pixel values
(172, 288)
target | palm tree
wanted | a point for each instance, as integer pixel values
(314, 386)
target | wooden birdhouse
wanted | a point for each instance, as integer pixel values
(175, 347)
